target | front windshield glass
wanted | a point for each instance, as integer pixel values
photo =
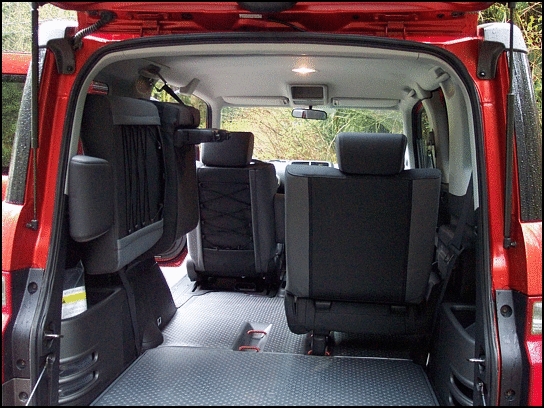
(280, 136)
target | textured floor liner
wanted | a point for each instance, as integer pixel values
(200, 362)
(198, 376)
(217, 319)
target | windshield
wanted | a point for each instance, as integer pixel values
(280, 136)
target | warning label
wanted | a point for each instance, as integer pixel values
(74, 302)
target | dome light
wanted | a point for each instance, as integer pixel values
(304, 70)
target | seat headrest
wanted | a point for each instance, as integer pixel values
(121, 110)
(370, 153)
(187, 117)
(236, 151)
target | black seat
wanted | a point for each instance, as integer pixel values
(359, 240)
(180, 212)
(236, 234)
(116, 190)
(121, 193)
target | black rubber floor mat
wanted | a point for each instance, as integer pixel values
(216, 320)
(183, 290)
(197, 376)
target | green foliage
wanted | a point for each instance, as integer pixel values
(528, 17)
(280, 136)
(11, 99)
(16, 36)
(16, 23)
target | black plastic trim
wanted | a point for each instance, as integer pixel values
(520, 309)
(511, 355)
(488, 55)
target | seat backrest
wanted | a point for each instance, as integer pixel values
(123, 158)
(235, 236)
(360, 233)
(180, 212)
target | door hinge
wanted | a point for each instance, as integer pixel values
(395, 29)
(488, 56)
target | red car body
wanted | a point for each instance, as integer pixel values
(516, 268)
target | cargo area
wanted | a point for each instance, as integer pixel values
(232, 346)
(268, 204)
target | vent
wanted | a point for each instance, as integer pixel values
(313, 163)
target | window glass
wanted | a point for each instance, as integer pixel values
(278, 135)
(12, 92)
(426, 153)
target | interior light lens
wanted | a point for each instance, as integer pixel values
(304, 70)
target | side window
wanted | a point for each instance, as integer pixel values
(425, 152)
(14, 70)
(431, 132)
(12, 91)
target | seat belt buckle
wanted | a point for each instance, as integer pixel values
(446, 253)
(446, 256)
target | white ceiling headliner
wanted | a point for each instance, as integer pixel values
(265, 70)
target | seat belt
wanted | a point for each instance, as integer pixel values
(132, 309)
(449, 247)
(168, 90)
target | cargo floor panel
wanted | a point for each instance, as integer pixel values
(235, 348)
(219, 319)
(173, 375)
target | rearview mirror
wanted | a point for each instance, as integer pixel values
(309, 114)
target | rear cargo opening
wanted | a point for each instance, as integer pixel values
(147, 340)
(233, 347)
(110, 326)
